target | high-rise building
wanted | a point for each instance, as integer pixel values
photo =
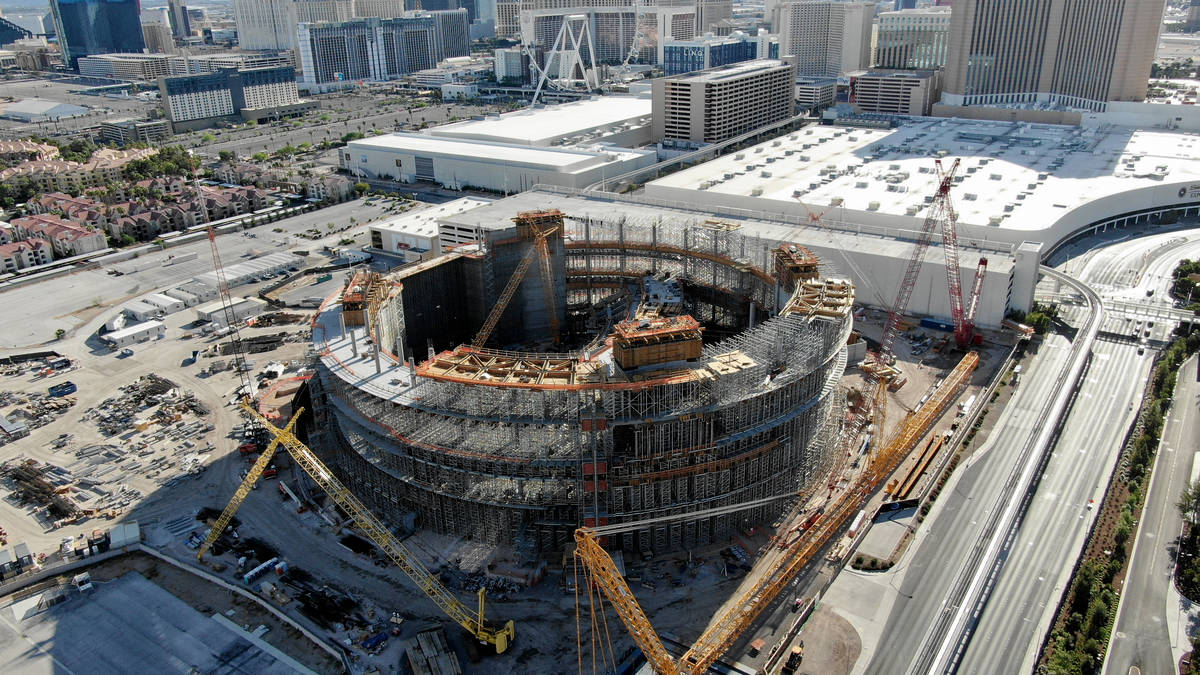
(1074, 53)
(158, 38)
(453, 32)
(181, 25)
(511, 66)
(905, 4)
(894, 92)
(86, 27)
(381, 9)
(265, 24)
(196, 101)
(913, 39)
(710, 51)
(613, 24)
(709, 106)
(827, 38)
(365, 49)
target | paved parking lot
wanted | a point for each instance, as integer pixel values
(35, 311)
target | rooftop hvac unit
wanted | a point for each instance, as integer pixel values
(751, 167)
(804, 158)
(729, 176)
(758, 150)
(808, 132)
(1008, 208)
(740, 155)
(861, 185)
(970, 196)
(813, 186)
(995, 176)
(788, 153)
(756, 192)
(912, 210)
(765, 174)
(995, 220)
(776, 143)
(1031, 186)
(893, 167)
(873, 206)
(796, 194)
(770, 160)
(852, 138)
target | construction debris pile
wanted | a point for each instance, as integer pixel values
(35, 409)
(41, 485)
(150, 400)
(255, 344)
(277, 319)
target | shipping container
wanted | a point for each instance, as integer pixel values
(63, 389)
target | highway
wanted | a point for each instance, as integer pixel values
(1040, 562)
(945, 644)
(923, 579)
(1147, 631)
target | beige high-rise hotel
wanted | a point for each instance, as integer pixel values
(1076, 53)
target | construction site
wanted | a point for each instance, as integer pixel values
(664, 369)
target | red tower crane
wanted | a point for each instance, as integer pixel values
(941, 214)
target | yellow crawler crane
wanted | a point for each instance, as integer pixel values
(370, 526)
(730, 624)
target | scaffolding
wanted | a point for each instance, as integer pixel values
(521, 447)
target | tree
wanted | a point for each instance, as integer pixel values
(58, 334)
(1189, 502)
(361, 187)
(226, 155)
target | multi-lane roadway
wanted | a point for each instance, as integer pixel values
(1151, 620)
(934, 624)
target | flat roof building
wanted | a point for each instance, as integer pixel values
(711, 105)
(415, 236)
(896, 92)
(201, 100)
(597, 119)
(1017, 182)
(503, 167)
(131, 335)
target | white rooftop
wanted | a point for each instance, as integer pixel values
(563, 160)
(425, 222)
(1017, 177)
(551, 125)
(135, 329)
(730, 71)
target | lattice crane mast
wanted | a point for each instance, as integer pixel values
(472, 620)
(968, 331)
(539, 226)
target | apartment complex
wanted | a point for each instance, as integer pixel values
(711, 51)
(827, 38)
(711, 106)
(87, 27)
(104, 166)
(1061, 52)
(19, 255)
(65, 237)
(332, 54)
(201, 100)
(916, 39)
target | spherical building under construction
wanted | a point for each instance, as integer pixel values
(564, 372)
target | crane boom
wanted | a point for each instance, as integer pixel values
(248, 483)
(973, 302)
(378, 533)
(543, 248)
(506, 296)
(729, 626)
(909, 280)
